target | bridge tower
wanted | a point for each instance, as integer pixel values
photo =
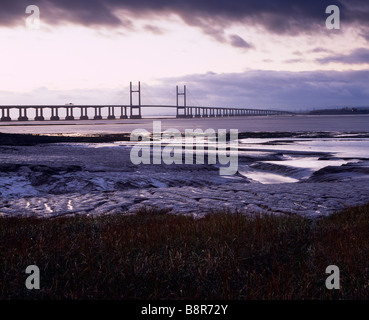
(184, 107)
(135, 107)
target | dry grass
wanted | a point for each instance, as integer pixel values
(154, 255)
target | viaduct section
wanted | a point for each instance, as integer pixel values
(132, 111)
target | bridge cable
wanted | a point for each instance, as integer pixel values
(193, 98)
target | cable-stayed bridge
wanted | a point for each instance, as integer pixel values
(129, 111)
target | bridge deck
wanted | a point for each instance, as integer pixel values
(128, 111)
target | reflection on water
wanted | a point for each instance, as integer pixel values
(296, 157)
(343, 147)
(267, 177)
(282, 160)
(70, 206)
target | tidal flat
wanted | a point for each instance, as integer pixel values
(310, 174)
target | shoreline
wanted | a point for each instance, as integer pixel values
(31, 139)
(19, 139)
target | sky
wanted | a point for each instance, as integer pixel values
(249, 53)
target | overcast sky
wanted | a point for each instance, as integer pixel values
(244, 53)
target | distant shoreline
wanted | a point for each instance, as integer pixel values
(27, 139)
(18, 139)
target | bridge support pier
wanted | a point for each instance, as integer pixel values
(5, 116)
(54, 114)
(184, 112)
(97, 114)
(69, 115)
(23, 116)
(39, 117)
(84, 115)
(137, 115)
(189, 112)
(123, 115)
(197, 113)
(111, 115)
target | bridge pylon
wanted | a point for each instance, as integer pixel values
(183, 108)
(135, 107)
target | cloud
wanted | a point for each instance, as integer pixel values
(279, 89)
(358, 56)
(238, 42)
(212, 16)
(86, 13)
(319, 50)
(252, 89)
(364, 32)
(294, 61)
(153, 29)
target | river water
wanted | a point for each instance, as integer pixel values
(306, 123)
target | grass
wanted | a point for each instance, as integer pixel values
(155, 255)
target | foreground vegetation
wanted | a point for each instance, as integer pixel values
(154, 255)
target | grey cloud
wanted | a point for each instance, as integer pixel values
(319, 50)
(213, 17)
(294, 60)
(238, 42)
(153, 29)
(280, 90)
(358, 56)
(288, 16)
(365, 34)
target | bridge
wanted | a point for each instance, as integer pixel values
(132, 111)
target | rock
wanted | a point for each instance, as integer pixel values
(41, 179)
(124, 185)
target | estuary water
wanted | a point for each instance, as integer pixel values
(306, 123)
